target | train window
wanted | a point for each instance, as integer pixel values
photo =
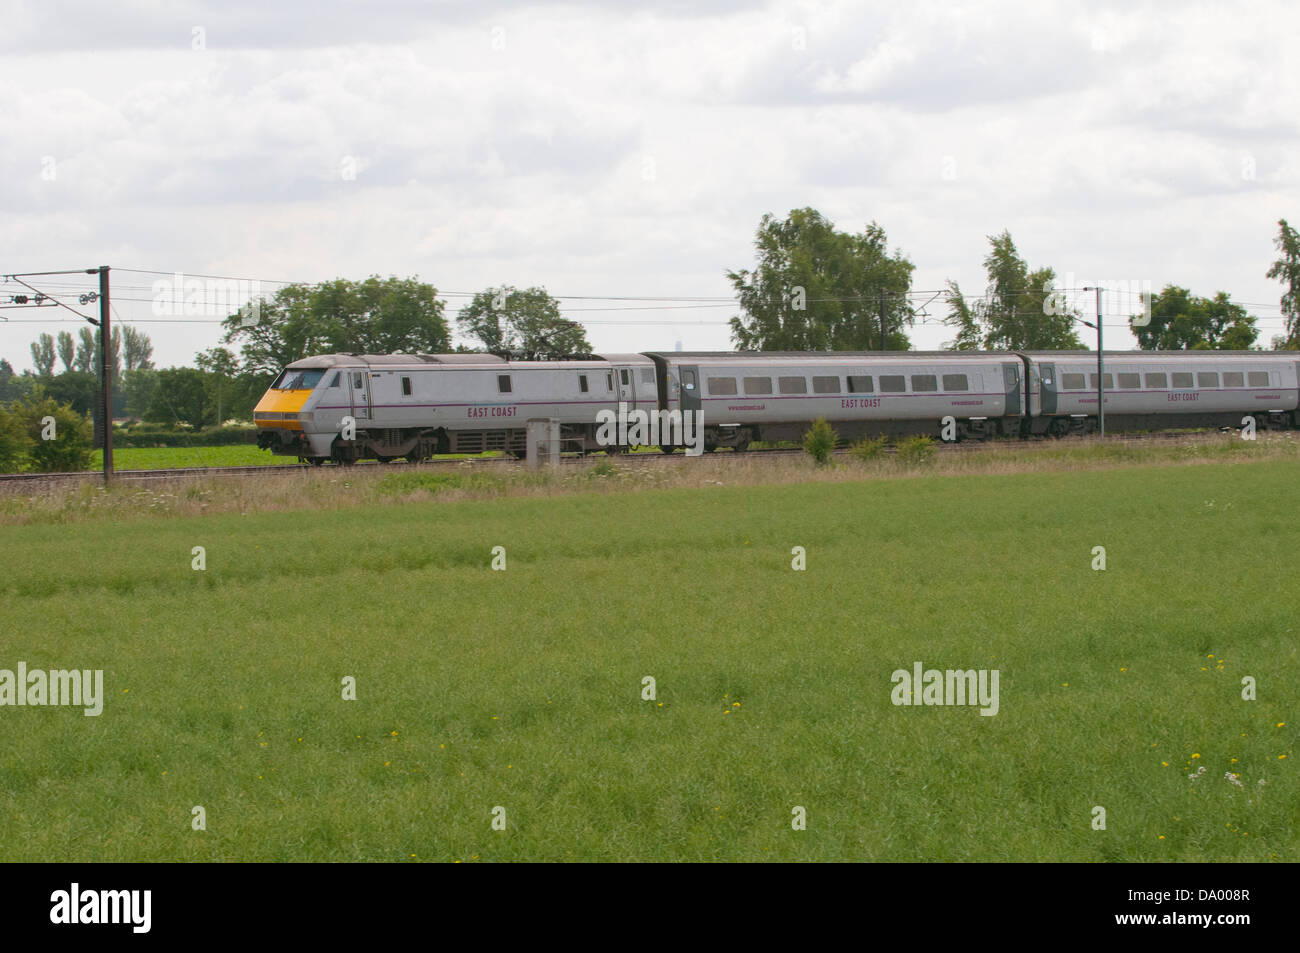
(503, 383)
(1234, 379)
(1157, 381)
(1109, 384)
(860, 385)
(922, 383)
(334, 381)
(892, 384)
(1072, 381)
(1130, 381)
(609, 382)
(582, 383)
(1182, 379)
(758, 385)
(688, 380)
(406, 387)
(826, 385)
(794, 385)
(1207, 379)
(356, 382)
(647, 375)
(722, 386)
(955, 382)
(298, 380)
(1258, 378)
(622, 376)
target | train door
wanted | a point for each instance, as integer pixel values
(626, 386)
(1015, 405)
(359, 389)
(690, 379)
(1048, 372)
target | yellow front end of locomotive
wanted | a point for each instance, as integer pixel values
(280, 409)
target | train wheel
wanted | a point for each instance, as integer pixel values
(667, 449)
(316, 461)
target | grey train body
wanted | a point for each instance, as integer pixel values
(413, 406)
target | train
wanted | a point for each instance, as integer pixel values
(349, 407)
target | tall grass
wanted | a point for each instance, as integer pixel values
(524, 689)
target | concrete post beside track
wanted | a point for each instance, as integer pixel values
(543, 440)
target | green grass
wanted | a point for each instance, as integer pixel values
(166, 458)
(523, 688)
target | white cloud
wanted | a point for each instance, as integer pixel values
(607, 149)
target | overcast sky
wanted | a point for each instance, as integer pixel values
(630, 149)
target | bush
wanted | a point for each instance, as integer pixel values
(870, 448)
(819, 442)
(68, 445)
(915, 451)
(15, 445)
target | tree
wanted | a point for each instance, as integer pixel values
(222, 366)
(67, 348)
(180, 397)
(375, 316)
(1287, 270)
(77, 389)
(960, 316)
(85, 357)
(43, 355)
(245, 391)
(1181, 321)
(58, 446)
(1020, 310)
(526, 323)
(15, 445)
(137, 391)
(818, 289)
(14, 386)
(137, 350)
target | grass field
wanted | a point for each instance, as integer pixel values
(522, 689)
(166, 458)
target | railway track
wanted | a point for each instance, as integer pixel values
(142, 476)
(13, 481)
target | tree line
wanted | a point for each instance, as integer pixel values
(816, 288)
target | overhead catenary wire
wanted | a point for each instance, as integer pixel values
(703, 300)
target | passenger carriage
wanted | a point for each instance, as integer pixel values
(1152, 390)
